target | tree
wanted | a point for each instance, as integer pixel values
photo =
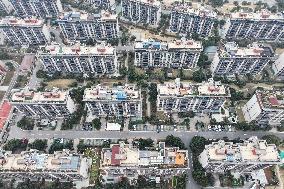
(198, 76)
(96, 123)
(216, 3)
(26, 123)
(197, 144)
(15, 144)
(174, 142)
(272, 139)
(4, 55)
(141, 182)
(81, 147)
(41, 74)
(10, 66)
(203, 61)
(38, 144)
(58, 145)
(144, 143)
(123, 184)
(199, 175)
(189, 114)
(236, 96)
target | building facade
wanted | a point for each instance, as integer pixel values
(183, 97)
(232, 60)
(113, 101)
(51, 104)
(33, 165)
(145, 12)
(278, 68)
(5, 7)
(186, 20)
(263, 26)
(97, 60)
(265, 108)
(175, 54)
(29, 31)
(37, 8)
(76, 26)
(250, 155)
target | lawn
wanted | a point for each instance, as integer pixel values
(174, 181)
(95, 156)
(8, 78)
(60, 83)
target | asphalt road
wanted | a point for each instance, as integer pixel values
(185, 136)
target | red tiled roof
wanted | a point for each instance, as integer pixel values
(2, 69)
(114, 151)
(273, 101)
(4, 112)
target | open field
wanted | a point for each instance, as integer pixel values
(60, 83)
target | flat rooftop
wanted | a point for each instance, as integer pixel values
(231, 49)
(178, 44)
(155, 3)
(81, 16)
(5, 110)
(114, 93)
(76, 50)
(183, 89)
(271, 98)
(35, 161)
(263, 15)
(252, 150)
(27, 96)
(14, 21)
(125, 155)
(199, 11)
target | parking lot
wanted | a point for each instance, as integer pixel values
(220, 128)
(159, 128)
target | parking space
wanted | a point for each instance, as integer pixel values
(159, 128)
(220, 128)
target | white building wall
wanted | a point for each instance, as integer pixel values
(252, 109)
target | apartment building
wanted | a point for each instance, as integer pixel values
(101, 4)
(5, 7)
(231, 59)
(278, 68)
(262, 25)
(126, 159)
(265, 107)
(175, 54)
(185, 19)
(97, 60)
(83, 26)
(34, 165)
(183, 96)
(29, 31)
(250, 155)
(119, 101)
(144, 12)
(37, 8)
(49, 104)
